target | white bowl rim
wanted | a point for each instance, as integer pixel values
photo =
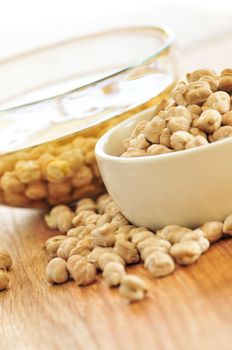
(99, 149)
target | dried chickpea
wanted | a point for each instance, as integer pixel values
(82, 248)
(140, 127)
(219, 101)
(58, 190)
(197, 141)
(103, 236)
(197, 92)
(64, 221)
(178, 124)
(85, 204)
(209, 121)
(133, 288)
(178, 93)
(212, 230)
(56, 271)
(66, 246)
(112, 209)
(225, 81)
(74, 157)
(213, 83)
(118, 221)
(197, 235)
(108, 257)
(102, 201)
(51, 218)
(227, 118)
(175, 234)
(82, 177)
(222, 133)
(36, 190)
(162, 233)
(11, 183)
(83, 272)
(124, 232)
(195, 111)
(103, 219)
(5, 260)
(199, 73)
(28, 171)
(179, 139)
(154, 129)
(140, 236)
(179, 112)
(139, 142)
(114, 273)
(186, 253)
(127, 251)
(227, 225)
(91, 219)
(80, 218)
(165, 138)
(52, 245)
(57, 170)
(198, 132)
(157, 149)
(133, 152)
(80, 232)
(95, 254)
(159, 264)
(4, 280)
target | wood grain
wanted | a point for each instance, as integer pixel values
(190, 309)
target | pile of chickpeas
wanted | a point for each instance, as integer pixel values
(198, 113)
(96, 237)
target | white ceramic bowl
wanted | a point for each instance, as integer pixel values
(185, 188)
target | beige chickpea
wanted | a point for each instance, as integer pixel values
(197, 92)
(179, 112)
(36, 190)
(64, 221)
(134, 152)
(127, 251)
(52, 245)
(95, 254)
(102, 201)
(199, 73)
(80, 218)
(139, 128)
(118, 221)
(85, 204)
(114, 273)
(222, 133)
(5, 260)
(103, 219)
(162, 233)
(209, 121)
(140, 236)
(197, 132)
(4, 280)
(74, 157)
(66, 246)
(174, 235)
(179, 140)
(213, 82)
(165, 137)
(212, 230)
(178, 93)
(51, 219)
(186, 253)
(154, 150)
(108, 257)
(124, 232)
(112, 209)
(83, 272)
(11, 183)
(103, 236)
(82, 177)
(197, 235)
(83, 247)
(154, 129)
(195, 111)
(56, 271)
(80, 232)
(154, 241)
(227, 118)
(133, 288)
(225, 81)
(59, 190)
(126, 143)
(28, 171)
(219, 101)
(139, 142)
(57, 170)
(159, 264)
(178, 124)
(91, 219)
(197, 141)
(227, 225)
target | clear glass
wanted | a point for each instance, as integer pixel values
(78, 87)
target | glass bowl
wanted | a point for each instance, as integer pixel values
(55, 103)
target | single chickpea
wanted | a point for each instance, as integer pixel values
(52, 245)
(197, 132)
(195, 111)
(91, 219)
(154, 129)
(124, 232)
(28, 171)
(139, 142)
(196, 142)
(199, 73)
(178, 93)
(178, 124)
(36, 190)
(74, 157)
(134, 152)
(154, 150)
(5, 260)
(209, 121)
(114, 274)
(4, 280)
(102, 201)
(118, 221)
(133, 288)
(225, 81)
(108, 257)
(66, 246)
(140, 236)
(198, 236)
(58, 170)
(58, 190)
(227, 118)
(186, 253)
(159, 264)
(221, 133)
(83, 247)
(140, 127)
(179, 112)
(56, 271)
(11, 183)
(64, 221)
(213, 82)
(80, 232)
(227, 225)
(85, 204)
(82, 177)
(103, 236)
(83, 272)
(179, 140)
(212, 230)
(17, 199)
(96, 253)
(219, 101)
(165, 138)
(197, 92)
(127, 251)
(80, 218)
(103, 219)
(112, 209)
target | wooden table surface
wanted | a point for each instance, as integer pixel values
(190, 309)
